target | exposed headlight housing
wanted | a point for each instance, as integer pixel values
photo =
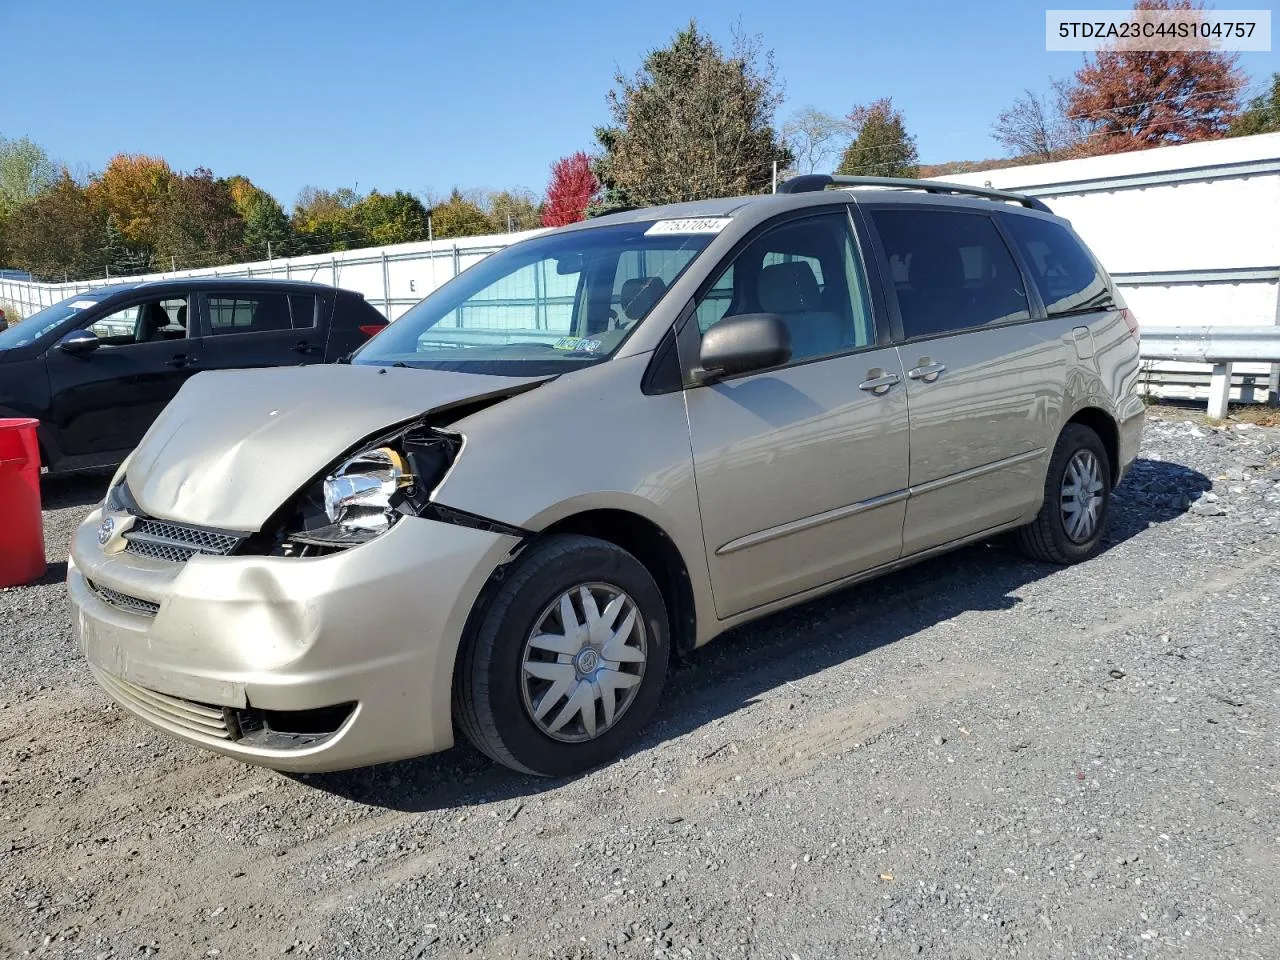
(359, 494)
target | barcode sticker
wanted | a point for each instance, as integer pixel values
(690, 225)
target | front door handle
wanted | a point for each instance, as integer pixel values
(181, 360)
(926, 371)
(879, 382)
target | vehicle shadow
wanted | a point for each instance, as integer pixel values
(75, 490)
(748, 662)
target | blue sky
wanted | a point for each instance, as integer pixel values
(427, 95)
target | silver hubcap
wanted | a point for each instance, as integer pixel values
(1082, 496)
(583, 662)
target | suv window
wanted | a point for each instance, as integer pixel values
(951, 271)
(249, 313)
(808, 272)
(1062, 270)
(302, 308)
(147, 322)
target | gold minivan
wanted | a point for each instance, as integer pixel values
(597, 449)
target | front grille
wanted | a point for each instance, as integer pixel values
(176, 542)
(136, 605)
(200, 719)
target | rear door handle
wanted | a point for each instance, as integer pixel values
(928, 372)
(878, 382)
(181, 360)
(302, 346)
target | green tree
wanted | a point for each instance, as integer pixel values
(267, 230)
(511, 210)
(59, 232)
(881, 146)
(198, 223)
(693, 122)
(119, 258)
(459, 217)
(325, 220)
(133, 188)
(1262, 115)
(25, 172)
(392, 217)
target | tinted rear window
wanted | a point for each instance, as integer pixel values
(1063, 272)
(952, 271)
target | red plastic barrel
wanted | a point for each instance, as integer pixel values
(21, 522)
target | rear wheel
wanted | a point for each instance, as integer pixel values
(567, 660)
(1077, 494)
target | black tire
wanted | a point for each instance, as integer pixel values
(1045, 538)
(488, 703)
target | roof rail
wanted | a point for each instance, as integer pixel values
(813, 182)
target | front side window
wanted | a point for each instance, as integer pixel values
(152, 321)
(1065, 275)
(249, 313)
(806, 271)
(547, 303)
(951, 271)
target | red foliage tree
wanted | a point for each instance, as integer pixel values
(573, 185)
(1134, 99)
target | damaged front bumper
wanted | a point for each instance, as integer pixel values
(301, 664)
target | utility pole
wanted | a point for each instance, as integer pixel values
(268, 251)
(775, 177)
(430, 236)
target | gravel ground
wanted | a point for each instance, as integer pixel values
(979, 757)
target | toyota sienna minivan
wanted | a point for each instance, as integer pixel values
(597, 449)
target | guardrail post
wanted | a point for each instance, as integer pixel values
(386, 287)
(1219, 390)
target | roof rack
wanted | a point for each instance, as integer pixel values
(813, 182)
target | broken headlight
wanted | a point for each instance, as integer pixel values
(358, 495)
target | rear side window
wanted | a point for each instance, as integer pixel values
(952, 271)
(1066, 276)
(302, 308)
(249, 313)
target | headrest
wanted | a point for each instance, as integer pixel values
(788, 288)
(640, 294)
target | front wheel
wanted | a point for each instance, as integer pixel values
(1077, 494)
(567, 659)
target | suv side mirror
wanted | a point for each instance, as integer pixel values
(78, 343)
(752, 341)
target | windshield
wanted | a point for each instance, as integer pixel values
(543, 305)
(38, 324)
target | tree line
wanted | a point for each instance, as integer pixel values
(696, 120)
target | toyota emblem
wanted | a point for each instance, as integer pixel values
(105, 529)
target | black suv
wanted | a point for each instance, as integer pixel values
(97, 368)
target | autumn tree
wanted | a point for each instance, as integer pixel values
(326, 220)
(881, 146)
(198, 223)
(25, 172)
(459, 216)
(815, 138)
(133, 188)
(511, 210)
(1134, 99)
(1262, 115)
(58, 233)
(572, 187)
(693, 122)
(267, 230)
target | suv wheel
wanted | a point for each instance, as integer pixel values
(1077, 494)
(567, 660)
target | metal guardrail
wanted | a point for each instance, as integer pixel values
(1218, 346)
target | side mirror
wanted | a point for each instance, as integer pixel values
(78, 343)
(752, 341)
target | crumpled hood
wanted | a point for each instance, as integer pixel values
(234, 445)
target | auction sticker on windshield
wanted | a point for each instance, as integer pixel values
(689, 225)
(577, 344)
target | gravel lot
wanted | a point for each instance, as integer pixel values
(979, 757)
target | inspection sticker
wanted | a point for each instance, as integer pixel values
(577, 344)
(689, 225)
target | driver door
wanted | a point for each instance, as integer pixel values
(104, 401)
